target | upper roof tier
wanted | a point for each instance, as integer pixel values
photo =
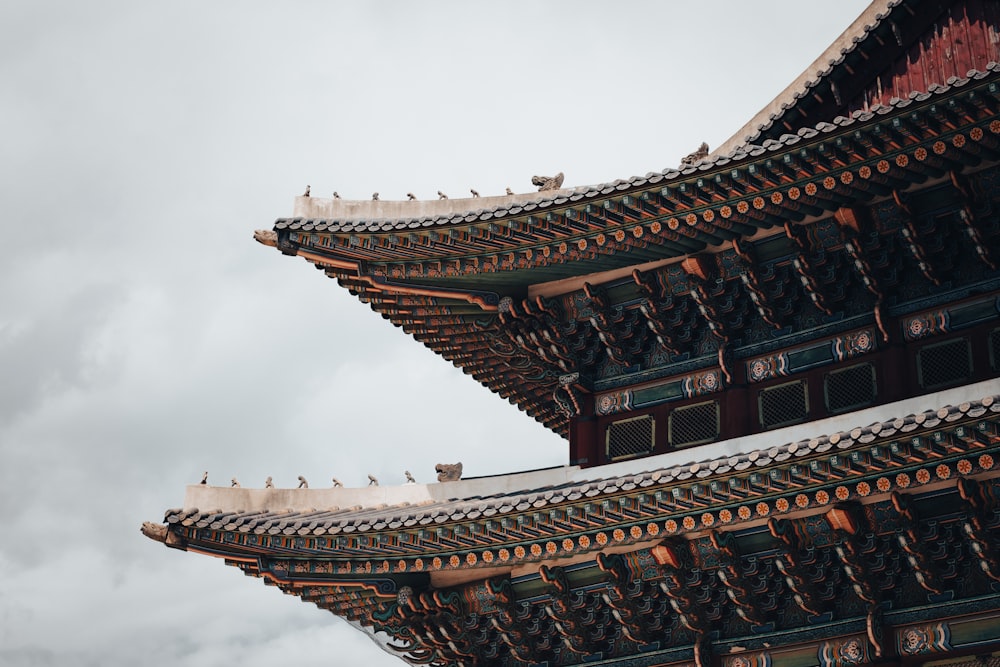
(465, 276)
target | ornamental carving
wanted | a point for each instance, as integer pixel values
(449, 472)
(548, 182)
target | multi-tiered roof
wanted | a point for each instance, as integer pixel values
(777, 368)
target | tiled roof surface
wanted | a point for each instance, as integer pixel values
(584, 194)
(791, 96)
(347, 520)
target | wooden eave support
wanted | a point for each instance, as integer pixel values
(797, 574)
(970, 221)
(913, 241)
(623, 598)
(914, 546)
(750, 278)
(654, 314)
(853, 223)
(803, 266)
(748, 605)
(604, 321)
(975, 527)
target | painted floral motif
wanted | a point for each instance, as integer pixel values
(923, 476)
(688, 522)
(852, 652)
(436, 563)
(653, 529)
(822, 497)
(601, 538)
(401, 566)
(863, 489)
(883, 484)
(725, 516)
(842, 493)
(964, 466)
(536, 550)
(858, 343)
(942, 471)
(471, 558)
(454, 561)
(584, 541)
(635, 532)
(567, 544)
(418, 564)
(986, 461)
(781, 504)
(902, 480)
(519, 551)
(763, 508)
(488, 556)
(801, 500)
(913, 641)
(743, 512)
(618, 534)
(504, 555)
(671, 526)
(550, 548)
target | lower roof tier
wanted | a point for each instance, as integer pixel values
(849, 541)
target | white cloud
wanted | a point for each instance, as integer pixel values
(144, 337)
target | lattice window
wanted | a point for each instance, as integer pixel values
(850, 388)
(630, 437)
(694, 424)
(783, 405)
(995, 349)
(944, 363)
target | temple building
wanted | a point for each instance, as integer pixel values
(776, 368)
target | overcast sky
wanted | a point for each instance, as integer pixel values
(145, 337)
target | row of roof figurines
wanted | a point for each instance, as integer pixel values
(446, 472)
(543, 183)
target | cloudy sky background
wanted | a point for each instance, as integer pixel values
(144, 337)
